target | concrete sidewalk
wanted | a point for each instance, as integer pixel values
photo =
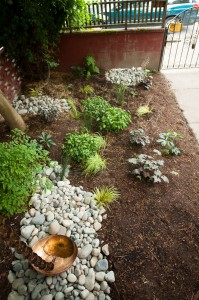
(185, 84)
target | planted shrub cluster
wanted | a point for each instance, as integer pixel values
(20, 160)
(98, 111)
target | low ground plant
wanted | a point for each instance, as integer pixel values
(166, 140)
(20, 159)
(144, 166)
(143, 110)
(114, 119)
(94, 165)
(46, 140)
(73, 109)
(88, 69)
(87, 90)
(139, 137)
(104, 196)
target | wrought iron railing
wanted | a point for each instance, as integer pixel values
(123, 14)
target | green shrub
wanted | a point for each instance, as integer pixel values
(94, 164)
(20, 160)
(105, 195)
(114, 119)
(80, 146)
(166, 140)
(145, 166)
(89, 67)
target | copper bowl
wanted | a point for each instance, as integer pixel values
(58, 249)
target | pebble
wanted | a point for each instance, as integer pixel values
(69, 211)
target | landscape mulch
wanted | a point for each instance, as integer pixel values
(153, 229)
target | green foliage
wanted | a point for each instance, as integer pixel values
(80, 146)
(99, 111)
(87, 90)
(166, 140)
(139, 137)
(20, 160)
(90, 66)
(94, 164)
(120, 92)
(46, 139)
(143, 110)
(134, 93)
(74, 111)
(114, 119)
(145, 166)
(35, 92)
(30, 30)
(105, 195)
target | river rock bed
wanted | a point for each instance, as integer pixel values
(69, 211)
(126, 76)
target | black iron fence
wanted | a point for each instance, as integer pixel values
(123, 14)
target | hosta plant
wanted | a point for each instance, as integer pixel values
(144, 166)
(139, 137)
(104, 196)
(46, 140)
(143, 110)
(94, 165)
(166, 140)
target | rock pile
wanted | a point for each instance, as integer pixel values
(70, 211)
(125, 76)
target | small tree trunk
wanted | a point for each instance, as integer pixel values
(13, 119)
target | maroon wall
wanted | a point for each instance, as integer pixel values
(10, 83)
(112, 48)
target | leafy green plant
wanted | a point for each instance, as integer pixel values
(145, 166)
(94, 108)
(87, 90)
(20, 159)
(114, 119)
(134, 93)
(120, 92)
(35, 92)
(104, 196)
(143, 110)
(139, 137)
(46, 139)
(74, 111)
(90, 66)
(80, 146)
(94, 164)
(166, 140)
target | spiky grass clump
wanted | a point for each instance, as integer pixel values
(105, 195)
(94, 164)
(74, 111)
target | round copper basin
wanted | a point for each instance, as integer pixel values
(58, 249)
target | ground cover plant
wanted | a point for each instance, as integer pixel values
(152, 229)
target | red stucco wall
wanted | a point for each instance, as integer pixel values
(112, 48)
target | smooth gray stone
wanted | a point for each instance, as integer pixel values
(101, 265)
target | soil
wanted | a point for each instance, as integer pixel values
(153, 229)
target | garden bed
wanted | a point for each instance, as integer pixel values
(152, 230)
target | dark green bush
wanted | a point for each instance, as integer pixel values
(20, 160)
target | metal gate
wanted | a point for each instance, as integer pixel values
(181, 46)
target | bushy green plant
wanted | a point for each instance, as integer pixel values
(114, 119)
(104, 196)
(90, 66)
(120, 92)
(74, 111)
(143, 110)
(80, 146)
(139, 137)
(166, 140)
(20, 159)
(145, 166)
(46, 139)
(94, 164)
